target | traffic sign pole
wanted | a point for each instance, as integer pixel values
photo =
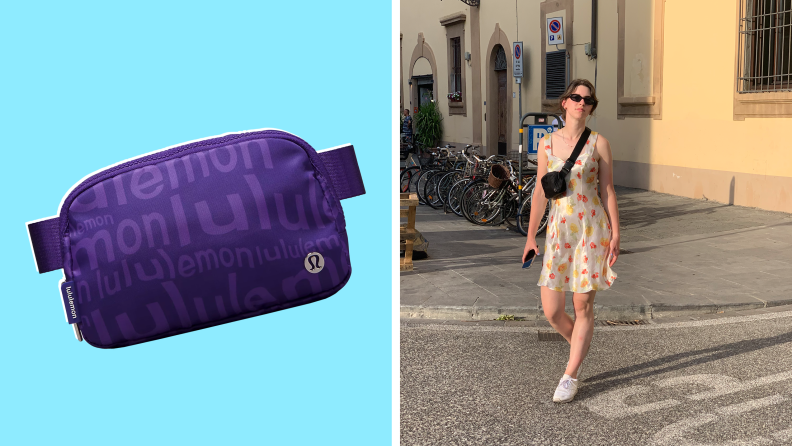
(519, 172)
(518, 74)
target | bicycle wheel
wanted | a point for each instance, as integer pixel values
(473, 189)
(524, 215)
(404, 178)
(454, 198)
(496, 205)
(509, 209)
(445, 184)
(431, 195)
(481, 203)
(413, 187)
(421, 184)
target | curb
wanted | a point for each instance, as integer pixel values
(613, 312)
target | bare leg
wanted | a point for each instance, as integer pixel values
(553, 305)
(582, 332)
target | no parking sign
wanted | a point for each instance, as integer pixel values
(555, 31)
(517, 61)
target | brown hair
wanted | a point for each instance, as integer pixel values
(570, 90)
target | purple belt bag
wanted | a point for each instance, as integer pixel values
(200, 234)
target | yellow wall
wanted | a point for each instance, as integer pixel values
(424, 17)
(697, 129)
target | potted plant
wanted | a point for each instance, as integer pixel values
(428, 125)
(455, 96)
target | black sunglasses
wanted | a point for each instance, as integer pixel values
(588, 100)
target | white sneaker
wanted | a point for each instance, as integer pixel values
(566, 390)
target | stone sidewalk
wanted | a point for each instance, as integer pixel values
(685, 256)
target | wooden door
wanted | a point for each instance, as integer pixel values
(502, 101)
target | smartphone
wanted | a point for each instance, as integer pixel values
(529, 258)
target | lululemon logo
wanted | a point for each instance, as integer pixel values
(314, 262)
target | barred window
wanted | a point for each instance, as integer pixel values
(456, 67)
(765, 46)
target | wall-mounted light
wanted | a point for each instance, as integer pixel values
(410, 82)
(467, 56)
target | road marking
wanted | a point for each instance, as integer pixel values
(720, 384)
(673, 434)
(784, 435)
(725, 389)
(611, 404)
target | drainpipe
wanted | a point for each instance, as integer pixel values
(594, 38)
(593, 29)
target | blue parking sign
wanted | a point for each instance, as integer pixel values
(535, 134)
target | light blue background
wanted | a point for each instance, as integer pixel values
(85, 86)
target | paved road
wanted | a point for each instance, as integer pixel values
(716, 381)
(686, 257)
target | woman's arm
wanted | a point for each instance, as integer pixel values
(538, 200)
(608, 194)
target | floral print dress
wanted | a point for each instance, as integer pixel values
(578, 232)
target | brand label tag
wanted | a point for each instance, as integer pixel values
(69, 295)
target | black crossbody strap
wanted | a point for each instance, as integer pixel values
(575, 153)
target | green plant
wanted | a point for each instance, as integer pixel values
(428, 125)
(505, 317)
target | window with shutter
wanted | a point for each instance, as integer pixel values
(555, 74)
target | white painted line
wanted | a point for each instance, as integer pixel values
(736, 386)
(784, 435)
(611, 404)
(674, 434)
(736, 409)
(720, 384)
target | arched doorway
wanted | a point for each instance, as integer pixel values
(501, 102)
(422, 73)
(422, 82)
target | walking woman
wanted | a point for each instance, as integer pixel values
(583, 229)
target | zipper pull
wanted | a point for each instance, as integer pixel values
(70, 309)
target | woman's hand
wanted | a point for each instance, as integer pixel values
(613, 249)
(530, 244)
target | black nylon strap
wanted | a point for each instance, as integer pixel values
(46, 242)
(575, 153)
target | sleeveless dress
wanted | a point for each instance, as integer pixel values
(578, 232)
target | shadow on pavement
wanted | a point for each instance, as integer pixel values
(606, 381)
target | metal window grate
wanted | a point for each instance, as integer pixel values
(550, 336)
(500, 59)
(555, 74)
(622, 323)
(765, 46)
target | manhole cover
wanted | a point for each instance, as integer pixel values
(619, 323)
(550, 336)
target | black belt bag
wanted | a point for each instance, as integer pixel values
(554, 183)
